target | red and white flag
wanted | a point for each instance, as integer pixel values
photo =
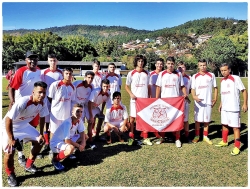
(160, 114)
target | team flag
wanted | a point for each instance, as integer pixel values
(160, 114)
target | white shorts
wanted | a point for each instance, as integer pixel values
(202, 112)
(54, 123)
(186, 111)
(47, 117)
(118, 124)
(231, 119)
(95, 111)
(56, 147)
(26, 134)
(132, 109)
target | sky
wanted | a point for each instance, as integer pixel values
(137, 15)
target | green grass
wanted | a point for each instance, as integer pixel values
(141, 166)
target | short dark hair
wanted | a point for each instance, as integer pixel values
(77, 105)
(89, 73)
(96, 62)
(112, 63)
(160, 59)
(171, 59)
(40, 84)
(105, 81)
(52, 55)
(138, 57)
(202, 60)
(181, 63)
(226, 64)
(69, 69)
(116, 94)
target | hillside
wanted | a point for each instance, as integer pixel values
(124, 34)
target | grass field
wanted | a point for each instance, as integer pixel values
(159, 165)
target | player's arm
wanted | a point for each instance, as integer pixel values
(149, 91)
(11, 94)
(127, 88)
(215, 96)
(103, 106)
(185, 95)
(124, 127)
(75, 144)
(158, 91)
(9, 131)
(41, 125)
(195, 97)
(245, 99)
(220, 106)
(90, 105)
(83, 141)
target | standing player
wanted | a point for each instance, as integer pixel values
(202, 86)
(16, 127)
(152, 81)
(115, 82)
(97, 100)
(187, 83)
(22, 85)
(50, 75)
(61, 93)
(170, 84)
(116, 118)
(231, 85)
(98, 75)
(139, 81)
(65, 139)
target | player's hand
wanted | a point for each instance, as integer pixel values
(41, 140)
(219, 109)
(213, 102)
(81, 147)
(196, 99)
(9, 147)
(244, 108)
(123, 128)
(91, 119)
(187, 99)
(133, 96)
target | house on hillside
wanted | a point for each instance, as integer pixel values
(203, 38)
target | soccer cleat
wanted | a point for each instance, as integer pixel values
(130, 141)
(196, 139)
(12, 181)
(178, 143)
(146, 141)
(108, 139)
(32, 169)
(92, 146)
(207, 140)
(159, 140)
(57, 165)
(235, 151)
(221, 144)
(22, 161)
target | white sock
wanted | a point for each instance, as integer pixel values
(20, 153)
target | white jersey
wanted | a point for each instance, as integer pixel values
(48, 76)
(170, 83)
(23, 81)
(66, 130)
(97, 98)
(203, 86)
(114, 82)
(230, 93)
(82, 92)
(97, 80)
(23, 111)
(61, 95)
(152, 82)
(139, 82)
(187, 79)
(115, 114)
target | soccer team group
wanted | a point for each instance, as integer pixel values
(52, 99)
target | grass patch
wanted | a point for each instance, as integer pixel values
(159, 165)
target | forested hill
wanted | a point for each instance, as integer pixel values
(226, 26)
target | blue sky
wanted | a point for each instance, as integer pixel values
(140, 15)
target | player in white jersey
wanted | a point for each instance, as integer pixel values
(152, 81)
(138, 79)
(83, 91)
(170, 84)
(22, 85)
(187, 83)
(98, 75)
(115, 81)
(96, 105)
(231, 86)
(116, 118)
(65, 138)
(16, 127)
(202, 86)
(49, 75)
(61, 93)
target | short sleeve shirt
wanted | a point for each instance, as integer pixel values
(152, 82)
(116, 114)
(82, 93)
(98, 98)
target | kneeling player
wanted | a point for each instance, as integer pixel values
(65, 139)
(116, 118)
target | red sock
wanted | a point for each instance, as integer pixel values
(237, 143)
(157, 135)
(29, 162)
(177, 136)
(224, 135)
(46, 137)
(60, 156)
(144, 134)
(197, 132)
(205, 133)
(186, 133)
(9, 170)
(131, 135)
